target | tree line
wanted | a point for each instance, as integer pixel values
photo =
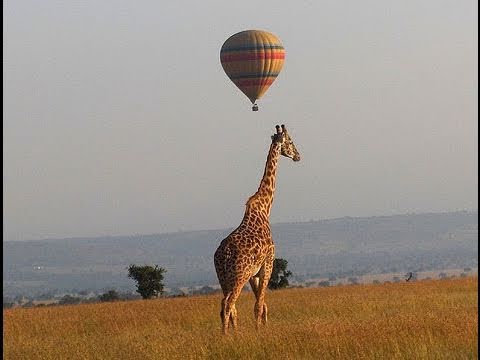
(149, 279)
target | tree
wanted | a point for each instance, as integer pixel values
(280, 274)
(111, 295)
(148, 278)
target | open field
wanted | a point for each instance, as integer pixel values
(429, 319)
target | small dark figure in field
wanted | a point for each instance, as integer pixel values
(247, 254)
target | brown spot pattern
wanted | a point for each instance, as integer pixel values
(247, 254)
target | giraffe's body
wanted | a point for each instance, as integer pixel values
(247, 254)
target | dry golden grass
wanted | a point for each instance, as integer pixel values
(421, 320)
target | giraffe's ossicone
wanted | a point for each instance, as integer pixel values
(247, 254)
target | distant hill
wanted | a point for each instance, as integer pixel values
(336, 247)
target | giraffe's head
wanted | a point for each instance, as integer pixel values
(288, 148)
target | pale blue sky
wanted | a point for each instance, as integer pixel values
(119, 119)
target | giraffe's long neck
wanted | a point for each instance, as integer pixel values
(262, 200)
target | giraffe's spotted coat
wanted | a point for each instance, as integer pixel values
(247, 254)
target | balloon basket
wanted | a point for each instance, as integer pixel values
(255, 107)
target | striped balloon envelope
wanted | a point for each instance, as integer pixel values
(252, 59)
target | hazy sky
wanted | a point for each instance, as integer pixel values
(119, 119)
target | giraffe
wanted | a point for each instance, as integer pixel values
(247, 254)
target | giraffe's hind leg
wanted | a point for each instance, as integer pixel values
(260, 309)
(233, 315)
(223, 313)
(230, 311)
(232, 318)
(228, 315)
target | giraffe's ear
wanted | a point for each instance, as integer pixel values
(273, 137)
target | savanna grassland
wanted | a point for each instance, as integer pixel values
(429, 319)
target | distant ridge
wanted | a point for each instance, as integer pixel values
(473, 212)
(345, 246)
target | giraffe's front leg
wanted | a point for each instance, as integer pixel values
(260, 305)
(255, 284)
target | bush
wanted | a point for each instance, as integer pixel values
(280, 274)
(148, 278)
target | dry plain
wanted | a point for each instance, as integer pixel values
(427, 319)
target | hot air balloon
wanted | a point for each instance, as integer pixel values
(252, 59)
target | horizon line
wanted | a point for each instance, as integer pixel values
(227, 228)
